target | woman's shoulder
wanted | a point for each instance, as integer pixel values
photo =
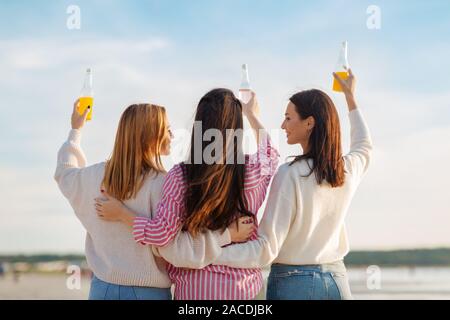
(176, 176)
(287, 169)
(296, 168)
(95, 171)
(177, 171)
(155, 178)
(286, 179)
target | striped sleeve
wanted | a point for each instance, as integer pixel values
(262, 165)
(259, 171)
(163, 228)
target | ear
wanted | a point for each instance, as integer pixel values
(311, 122)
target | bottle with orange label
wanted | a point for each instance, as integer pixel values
(87, 95)
(245, 89)
(342, 67)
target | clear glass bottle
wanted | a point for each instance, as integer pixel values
(87, 95)
(342, 67)
(245, 88)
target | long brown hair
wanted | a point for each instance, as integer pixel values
(325, 139)
(214, 196)
(140, 138)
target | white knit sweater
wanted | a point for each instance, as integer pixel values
(304, 222)
(111, 251)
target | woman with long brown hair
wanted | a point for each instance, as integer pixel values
(215, 187)
(303, 230)
(134, 174)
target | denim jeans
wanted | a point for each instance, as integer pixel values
(308, 282)
(101, 290)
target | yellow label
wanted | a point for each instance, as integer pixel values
(83, 103)
(336, 85)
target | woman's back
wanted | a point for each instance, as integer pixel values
(111, 251)
(315, 213)
(303, 222)
(227, 282)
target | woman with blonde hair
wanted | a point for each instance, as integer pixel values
(134, 174)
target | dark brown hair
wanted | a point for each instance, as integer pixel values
(214, 196)
(325, 139)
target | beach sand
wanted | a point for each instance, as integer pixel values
(39, 286)
(397, 283)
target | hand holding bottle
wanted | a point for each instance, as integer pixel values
(78, 120)
(348, 88)
(251, 108)
(87, 95)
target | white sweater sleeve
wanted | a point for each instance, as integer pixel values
(196, 252)
(357, 160)
(70, 161)
(281, 209)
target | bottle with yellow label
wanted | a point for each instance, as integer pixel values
(342, 67)
(87, 95)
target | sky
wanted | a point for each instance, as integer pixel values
(173, 52)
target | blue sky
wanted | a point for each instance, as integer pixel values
(172, 52)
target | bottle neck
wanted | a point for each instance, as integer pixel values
(87, 86)
(88, 80)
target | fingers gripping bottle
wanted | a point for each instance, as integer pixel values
(244, 90)
(342, 67)
(86, 95)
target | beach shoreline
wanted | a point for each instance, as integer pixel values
(420, 283)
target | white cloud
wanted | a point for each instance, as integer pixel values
(47, 54)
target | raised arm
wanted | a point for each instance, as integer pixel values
(262, 165)
(71, 159)
(283, 204)
(358, 159)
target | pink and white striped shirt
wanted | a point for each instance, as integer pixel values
(212, 282)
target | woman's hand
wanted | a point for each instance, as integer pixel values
(251, 108)
(348, 88)
(251, 111)
(113, 210)
(242, 229)
(78, 120)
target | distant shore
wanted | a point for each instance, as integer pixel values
(390, 258)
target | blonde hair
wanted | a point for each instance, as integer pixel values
(141, 136)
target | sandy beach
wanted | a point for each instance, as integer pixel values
(397, 283)
(41, 286)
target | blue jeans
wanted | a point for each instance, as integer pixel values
(101, 290)
(313, 282)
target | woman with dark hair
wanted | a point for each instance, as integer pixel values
(216, 187)
(303, 230)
